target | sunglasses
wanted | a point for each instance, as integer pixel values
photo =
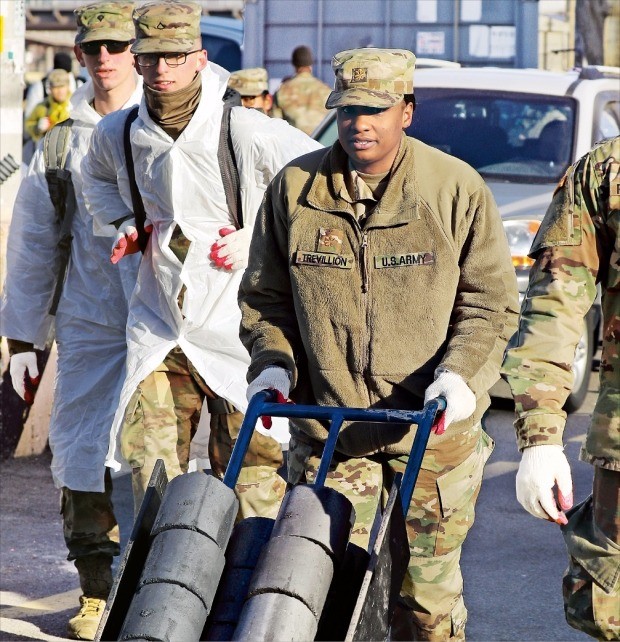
(93, 47)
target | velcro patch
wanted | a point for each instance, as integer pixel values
(404, 260)
(324, 259)
(330, 240)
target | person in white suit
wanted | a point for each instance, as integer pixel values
(89, 322)
(183, 326)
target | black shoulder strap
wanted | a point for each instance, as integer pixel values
(227, 163)
(60, 187)
(136, 199)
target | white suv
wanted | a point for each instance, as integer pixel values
(521, 129)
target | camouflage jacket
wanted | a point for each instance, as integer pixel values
(576, 248)
(301, 101)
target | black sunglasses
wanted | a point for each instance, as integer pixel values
(93, 47)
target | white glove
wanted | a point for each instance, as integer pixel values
(460, 400)
(19, 364)
(43, 124)
(271, 378)
(232, 250)
(541, 468)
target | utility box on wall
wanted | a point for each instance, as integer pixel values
(502, 33)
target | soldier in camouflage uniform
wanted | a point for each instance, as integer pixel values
(253, 87)
(301, 99)
(380, 277)
(577, 248)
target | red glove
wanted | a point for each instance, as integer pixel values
(232, 251)
(280, 398)
(272, 378)
(126, 241)
(439, 426)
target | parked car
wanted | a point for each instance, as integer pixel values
(222, 37)
(520, 129)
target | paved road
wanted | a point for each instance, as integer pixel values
(512, 563)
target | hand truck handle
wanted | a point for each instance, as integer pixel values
(262, 404)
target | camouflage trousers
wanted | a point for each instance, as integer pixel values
(591, 584)
(89, 524)
(161, 420)
(441, 513)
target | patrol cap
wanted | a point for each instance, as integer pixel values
(58, 78)
(104, 21)
(371, 77)
(166, 26)
(249, 82)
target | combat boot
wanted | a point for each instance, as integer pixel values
(95, 573)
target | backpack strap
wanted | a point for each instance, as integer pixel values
(60, 186)
(136, 198)
(55, 150)
(228, 165)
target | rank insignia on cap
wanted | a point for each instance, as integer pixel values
(330, 240)
(359, 74)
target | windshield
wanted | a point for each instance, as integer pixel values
(505, 136)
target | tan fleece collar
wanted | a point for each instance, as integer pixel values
(399, 203)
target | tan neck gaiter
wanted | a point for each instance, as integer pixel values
(173, 110)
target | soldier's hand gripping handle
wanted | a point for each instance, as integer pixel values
(543, 468)
(271, 378)
(24, 375)
(460, 400)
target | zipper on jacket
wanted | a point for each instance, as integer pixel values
(366, 315)
(364, 262)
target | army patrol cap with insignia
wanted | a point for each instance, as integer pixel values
(371, 77)
(166, 27)
(249, 82)
(105, 21)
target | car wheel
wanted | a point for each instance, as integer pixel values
(582, 367)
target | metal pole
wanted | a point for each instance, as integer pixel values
(455, 38)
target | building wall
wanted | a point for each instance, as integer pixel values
(557, 32)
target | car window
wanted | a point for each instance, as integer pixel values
(508, 136)
(608, 124)
(327, 131)
(222, 51)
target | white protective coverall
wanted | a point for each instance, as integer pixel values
(92, 312)
(180, 183)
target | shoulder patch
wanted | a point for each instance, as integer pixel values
(561, 183)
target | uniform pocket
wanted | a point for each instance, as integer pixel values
(562, 226)
(605, 610)
(132, 432)
(458, 490)
(587, 606)
(296, 461)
